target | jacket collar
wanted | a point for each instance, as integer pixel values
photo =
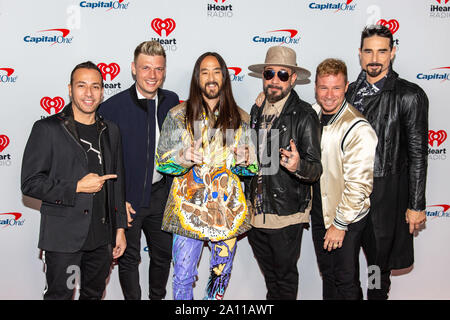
(388, 84)
(135, 99)
(66, 116)
(337, 114)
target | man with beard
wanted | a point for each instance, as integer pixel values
(398, 111)
(205, 144)
(281, 195)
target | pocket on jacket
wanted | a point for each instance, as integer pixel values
(53, 210)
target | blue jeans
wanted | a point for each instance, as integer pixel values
(186, 254)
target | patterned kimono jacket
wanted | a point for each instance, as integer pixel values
(206, 201)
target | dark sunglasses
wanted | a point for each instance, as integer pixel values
(282, 75)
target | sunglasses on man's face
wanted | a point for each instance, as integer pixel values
(282, 75)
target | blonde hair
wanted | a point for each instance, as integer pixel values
(149, 48)
(331, 66)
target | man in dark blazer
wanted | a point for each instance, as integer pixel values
(73, 163)
(139, 112)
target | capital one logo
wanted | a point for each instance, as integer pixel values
(55, 36)
(113, 69)
(282, 36)
(8, 76)
(56, 103)
(443, 75)
(168, 25)
(101, 4)
(436, 137)
(4, 142)
(440, 211)
(328, 6)
(11, 219)
(9, 71)
(392, 24)
(235, 74)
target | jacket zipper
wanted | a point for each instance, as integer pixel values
(102, 164)
(84, 152)
(147, 162)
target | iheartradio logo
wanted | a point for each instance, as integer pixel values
(4, 142)
(439, 137)
(113, 69)
(56, 103)
(392, 24)
(168, 25)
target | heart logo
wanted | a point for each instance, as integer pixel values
(47, 103)
(112, 69)
(349, 1)
(4, 141)
(168, 25)
(439, 1)
(439, 136)
(392, 24)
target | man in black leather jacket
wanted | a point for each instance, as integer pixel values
(398, 111)
(289, 158)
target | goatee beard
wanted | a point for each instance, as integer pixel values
(271, 97)
(208, 94)
(374, 73)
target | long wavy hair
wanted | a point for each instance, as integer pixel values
(228, 116)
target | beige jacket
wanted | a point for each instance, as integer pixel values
(348, 151)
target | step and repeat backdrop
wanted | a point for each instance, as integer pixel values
(41, 41)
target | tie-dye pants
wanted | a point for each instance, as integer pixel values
(186, 254)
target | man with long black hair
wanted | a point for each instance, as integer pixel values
(205, 144)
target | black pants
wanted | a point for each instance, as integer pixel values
(374, 250)
(277, 252)
(88, 269)
(159, 248)
(340, 267)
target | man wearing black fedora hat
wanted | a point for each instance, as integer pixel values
(288, 134)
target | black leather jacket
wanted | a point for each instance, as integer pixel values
(286, 193)
(399, 115)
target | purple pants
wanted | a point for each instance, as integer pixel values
(186, 254)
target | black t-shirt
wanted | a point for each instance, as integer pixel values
(98, 229)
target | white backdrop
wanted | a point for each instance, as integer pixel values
(41, 42)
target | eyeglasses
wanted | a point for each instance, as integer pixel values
(282, 75)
